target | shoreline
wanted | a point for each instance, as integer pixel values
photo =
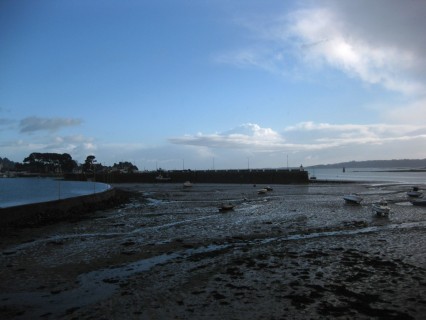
(49, 212)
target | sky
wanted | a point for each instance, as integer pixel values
(213, 84)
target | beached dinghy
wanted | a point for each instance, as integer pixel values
(381, 208)
(419, 202)
(226, 207)
(414, 193)
(187, 184)
(352, 199)
(262, 191)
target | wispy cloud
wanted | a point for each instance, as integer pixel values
(371, 60)
(346, 36)
(32, 124)
(6, 123)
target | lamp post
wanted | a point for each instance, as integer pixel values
(94, 176)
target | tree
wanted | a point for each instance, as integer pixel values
(125, 166)
(6, 164)
(49, 162)
(88, 165)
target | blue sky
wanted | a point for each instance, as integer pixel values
(229, 84)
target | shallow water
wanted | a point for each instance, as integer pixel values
(19, 191)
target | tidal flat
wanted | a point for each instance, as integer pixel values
(296, 252)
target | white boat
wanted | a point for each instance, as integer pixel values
(352, 198)
(226, 207)
(381, 208)
(262, 191)
(414, 193)
(161, 178)
(269, 188)
(187, 184)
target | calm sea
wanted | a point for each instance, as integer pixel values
(370, 175)
(18, 191)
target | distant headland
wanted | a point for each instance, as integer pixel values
(395, 164)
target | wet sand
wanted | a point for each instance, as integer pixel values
(297, 252)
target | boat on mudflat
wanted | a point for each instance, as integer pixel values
(352, 198)
(187, 184)
(226, 207)
(419, 202)
(161, 178)
(414, 193)
(262, 191)
(381, 208)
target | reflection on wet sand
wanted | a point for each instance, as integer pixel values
(296, 252)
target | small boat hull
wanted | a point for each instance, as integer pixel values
(226, 207)
(352, 199)
(420, 202)
(187, 184)
(414, 193)
(381, 209)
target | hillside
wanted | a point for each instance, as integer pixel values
(400, 163)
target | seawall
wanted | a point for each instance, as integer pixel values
(52, 211)
(266, 176)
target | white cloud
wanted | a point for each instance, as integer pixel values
(389, 64)
(378, 42)
(304, 136)
(246, 136)
(414, 113)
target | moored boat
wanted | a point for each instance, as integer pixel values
(419, 202)
(414, 193)
(381, 208)
(226, 207)
(187, 184)
(352, 198)
(161, 178)
(262, 191)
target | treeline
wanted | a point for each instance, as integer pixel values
(6, 164)
(56, 163)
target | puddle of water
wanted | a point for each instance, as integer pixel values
(94, 286)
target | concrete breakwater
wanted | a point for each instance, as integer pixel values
(52, 211)
(256, 176)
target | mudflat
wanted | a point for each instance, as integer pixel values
(296, 252)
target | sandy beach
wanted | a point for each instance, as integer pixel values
(296, 252)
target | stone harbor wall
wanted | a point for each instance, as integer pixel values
(255, 176)
(51, 211)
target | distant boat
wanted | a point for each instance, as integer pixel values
(262, 191)
(414, 193)
(161, 178)
(343, 170)
(352, 198)
(226, 207)
(381, 208)
(187, 184)
(268, 188)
